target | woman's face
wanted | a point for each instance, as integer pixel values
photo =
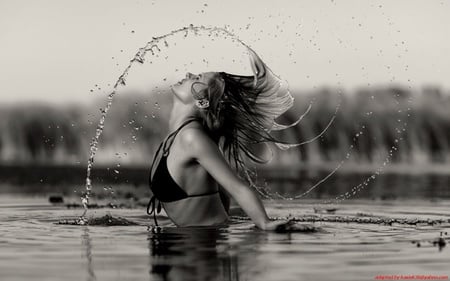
(183, 89)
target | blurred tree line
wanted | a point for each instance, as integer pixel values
(369, 123)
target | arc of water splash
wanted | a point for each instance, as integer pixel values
(311, 140)
(139, 57)
(358, 187)
(264, 191)
(333, 171)
(355, 189)
(348, 154)
(283, 146)
(279, 127)
(320, 181)
(365, 183)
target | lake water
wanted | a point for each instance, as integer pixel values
(34, 247)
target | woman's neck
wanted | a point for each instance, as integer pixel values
(180, 113)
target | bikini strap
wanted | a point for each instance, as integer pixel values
(164, 147)
(171, 137)
(154, 205)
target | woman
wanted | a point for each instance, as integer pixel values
(216, 122)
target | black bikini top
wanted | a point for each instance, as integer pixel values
(164, 188)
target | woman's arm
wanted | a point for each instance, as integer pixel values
(206, 152)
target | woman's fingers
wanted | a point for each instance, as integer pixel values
(295, 227)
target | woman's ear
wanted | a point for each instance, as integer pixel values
(199, 90)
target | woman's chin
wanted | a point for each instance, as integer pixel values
(174, 89)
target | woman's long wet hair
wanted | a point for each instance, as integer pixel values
(242, 110)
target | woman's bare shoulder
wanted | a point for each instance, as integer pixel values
(195, 138)
(193, 134)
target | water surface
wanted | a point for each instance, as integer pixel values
(34, 247)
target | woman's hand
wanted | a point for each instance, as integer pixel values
(287, 226)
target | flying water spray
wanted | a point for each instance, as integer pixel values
(400, 128)
(153, 47)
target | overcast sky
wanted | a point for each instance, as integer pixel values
(57, 50)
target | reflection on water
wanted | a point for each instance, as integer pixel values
(35, 247)
(194, 254)
(187, 254)
(87, 244)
